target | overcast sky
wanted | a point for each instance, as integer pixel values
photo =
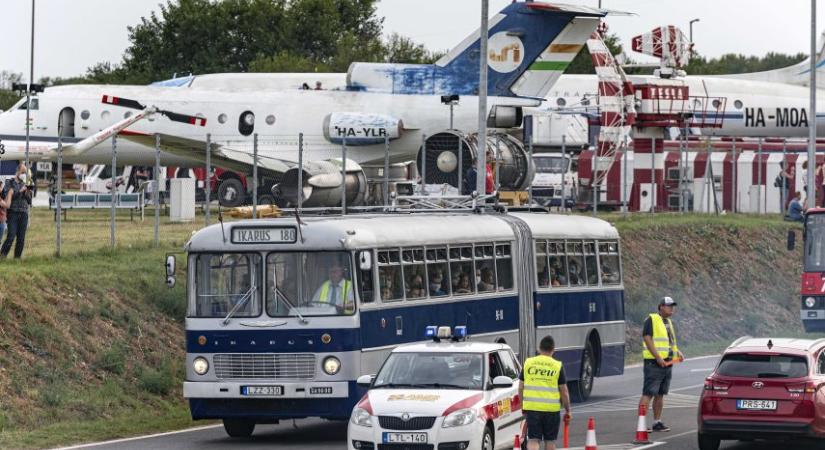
(72, 35)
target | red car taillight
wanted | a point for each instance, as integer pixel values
(801, 388)
(716, 385)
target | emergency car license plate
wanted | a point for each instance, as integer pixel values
(756, 405)
(262, 391)
(405, 438)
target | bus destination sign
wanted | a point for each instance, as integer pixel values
(264, 235)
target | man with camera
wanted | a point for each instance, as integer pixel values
(18, 212)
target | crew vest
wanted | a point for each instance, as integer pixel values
(324, 297)
(660, 339)
(541, 384)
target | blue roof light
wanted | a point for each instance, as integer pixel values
(460, 332)
(431, 332)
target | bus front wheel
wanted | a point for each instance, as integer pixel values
(580, 389)
(238, 428)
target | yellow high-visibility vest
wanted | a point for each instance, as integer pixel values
(541, 384)
(660, 339)
(324, 295)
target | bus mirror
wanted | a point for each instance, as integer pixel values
(170, 265)
(170, 282)
(791, 240)
(365, 260)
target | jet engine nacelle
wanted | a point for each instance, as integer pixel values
(505, 117)
(358, 129)
(323, 184)
(515, 167)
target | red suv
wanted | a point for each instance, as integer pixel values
(765, 389)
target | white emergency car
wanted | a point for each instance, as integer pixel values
(445, 395)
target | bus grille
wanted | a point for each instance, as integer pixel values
(276, 366)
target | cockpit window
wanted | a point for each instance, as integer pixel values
(35, 104)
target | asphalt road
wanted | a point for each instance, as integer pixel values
(613, 405)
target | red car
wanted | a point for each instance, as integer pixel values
(765, 389)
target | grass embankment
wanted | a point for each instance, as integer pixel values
(91, 344)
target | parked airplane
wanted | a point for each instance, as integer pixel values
(530, 44)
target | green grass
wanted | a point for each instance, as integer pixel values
(644, 221)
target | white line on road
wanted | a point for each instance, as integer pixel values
(695, 358)
(707, 369)
(137, 438)
(679, 435)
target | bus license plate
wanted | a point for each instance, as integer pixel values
(405, 438)
(756, 405)
(262, 391)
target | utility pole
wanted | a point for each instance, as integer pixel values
(29, 91)
(691, 28)
(481, 157)
(811, 197)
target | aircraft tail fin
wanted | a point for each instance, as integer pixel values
(530, 44)
(797, 74)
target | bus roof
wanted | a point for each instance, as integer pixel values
(385, 230)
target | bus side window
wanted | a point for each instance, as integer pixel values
(542, 269)
(504, 267)
(557, 264)
(461, 270)
(366, 286)
(389, 275)
(485, 267)
(575, 263)
(438, 272)
(609, 260)
(591, 267)
(415, 276)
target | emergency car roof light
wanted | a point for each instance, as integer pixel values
(430, 332)
(444, 332)
(460, 333)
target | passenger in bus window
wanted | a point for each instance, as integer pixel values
(488, 281)
(463, 285)
(416, 287)
(609, 276)
(554, 277)
(574, 273)
(557, 276)
(436, 289)
(542, 269)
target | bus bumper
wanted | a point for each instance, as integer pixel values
(214, 390)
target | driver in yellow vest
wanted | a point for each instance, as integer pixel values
(543, 391)
(659, 350)
(336, 291)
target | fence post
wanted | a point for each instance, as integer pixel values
(300, 171)
(255, 176)
(783, 193)
(624, 177)
(734, 206)
(207, 186)
(759, 178)
(344, 176)
(59, 195)
(530, 187)
(156, 190)
(386, 171)
(423, 164)
(681, 170)
(563, 204)
(653, 176)
(113, 191)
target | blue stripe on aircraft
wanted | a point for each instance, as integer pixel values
(818, 66)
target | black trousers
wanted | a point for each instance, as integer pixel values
(17, 222)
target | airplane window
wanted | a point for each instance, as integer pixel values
(561, 102)
(738, 104)
(85, 114)
(222, 118)
(270, 119)
(127, 114)
(717, 104)
(246, 123)
(105, 115)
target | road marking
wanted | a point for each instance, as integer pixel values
(679, 435)
(137, 438)
(686, 388)
(631, 403)
(695, 358)
(624, 446)
(708, 369)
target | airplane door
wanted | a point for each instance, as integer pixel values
(65, 123)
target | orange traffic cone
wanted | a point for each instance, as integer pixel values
(590, 443)
(642, 436)
(517, 444)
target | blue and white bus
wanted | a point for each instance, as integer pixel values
(283, 319)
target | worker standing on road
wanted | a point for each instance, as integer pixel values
(659, 351)
(543, 391)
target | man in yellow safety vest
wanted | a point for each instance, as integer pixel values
(336, 291)
(543, 392)
(659, 351)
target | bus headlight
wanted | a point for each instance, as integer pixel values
(332, 365)
(810, 302)
(200, 365)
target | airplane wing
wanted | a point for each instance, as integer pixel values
(237, 159)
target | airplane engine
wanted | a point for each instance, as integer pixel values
(359, 129)
(322, 184)
(516, 169)
(505, 117)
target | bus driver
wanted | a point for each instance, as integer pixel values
(336, 291)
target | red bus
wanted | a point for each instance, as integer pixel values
(812, 302)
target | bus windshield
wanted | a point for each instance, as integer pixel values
(309, 284)
(431, 371)
(815, 243)
(552, 164)
(226, 282)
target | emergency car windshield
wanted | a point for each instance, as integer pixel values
(431, 371)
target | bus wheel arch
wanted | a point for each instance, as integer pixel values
(238, 428)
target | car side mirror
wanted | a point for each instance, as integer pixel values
(502, 381)
(791, 240)
(365, 260)
(365, 381)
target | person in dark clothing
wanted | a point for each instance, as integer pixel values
(468, 184)
(18, 212)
